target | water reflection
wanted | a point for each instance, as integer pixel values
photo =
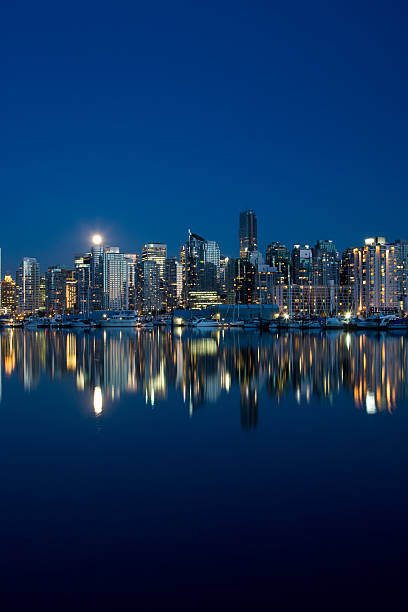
(201, 367)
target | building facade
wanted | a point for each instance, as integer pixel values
(28, 286)
(248, 233)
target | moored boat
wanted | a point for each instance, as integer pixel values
(205, 323)
(120, 319)
(333, 323)
(398, 325)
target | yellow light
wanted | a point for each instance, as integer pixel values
(97, 401)
(97, 239)
(347, 316)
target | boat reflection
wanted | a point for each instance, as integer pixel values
(201, 366)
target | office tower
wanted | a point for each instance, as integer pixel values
(8, 294)
(266, 281)
(402, 246)
(248, 233)
(278, 256)
(96, 278)
(43, 292)
(55, 290)
(70, 290)
(157, 252)
(326, 264)
(174, 283)
(302, 265)
(135, 282)
(231, 269)
(28, 285)
(115, 280)
(200, 261)
(372, 272)
(255, 258)
(211, 279)
(82, 266)
(246, 282)
(152, 288)
(223, 274)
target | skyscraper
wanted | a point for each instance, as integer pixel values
(248, 233)
(152, 287)
(55, 290)
(201, 268)
(135, 282)
(278, 257)
(115, 279)
(83, 282)
(157, 253)
(8, 293)
(28, 285)
(96, 278)
(326, 264)
(302, 265)
(373, 273)
(174, 283)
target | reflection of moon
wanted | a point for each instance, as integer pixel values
(97, 401)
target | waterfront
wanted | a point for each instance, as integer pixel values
(201, 460)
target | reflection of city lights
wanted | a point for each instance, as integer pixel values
(370, 403)
(80, 380)
(348, 340)
(97, 401)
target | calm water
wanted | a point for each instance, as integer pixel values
(231, 465)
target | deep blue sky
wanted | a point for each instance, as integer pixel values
(144, 119)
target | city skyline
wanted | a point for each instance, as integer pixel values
(304, 280)
(84, 245)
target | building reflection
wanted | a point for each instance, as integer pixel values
(203, 367)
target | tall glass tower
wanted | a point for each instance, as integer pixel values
(248, 233)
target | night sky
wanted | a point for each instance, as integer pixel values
(141, 120)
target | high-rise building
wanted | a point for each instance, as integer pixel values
(200, 261)
(70, 291)
(135, 282)
(211, 281)
(402, 246)
(152, 287)
(28, 285)
(326, 264)
(302, 265)
(96, 278)
(43, 292)
(115, 279)
(246, 282)
(157, 252)
(266, 281)
(8, 293)
(55, 290)
(278, 257)
(372, 272)
(248, 233)
(223, 274)
(83, 282)
(174, 283)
